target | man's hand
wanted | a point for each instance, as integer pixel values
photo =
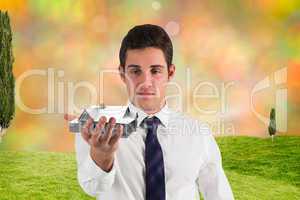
(103, 143)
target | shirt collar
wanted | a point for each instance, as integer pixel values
(162, 115)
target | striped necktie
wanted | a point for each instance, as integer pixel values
(155, 175)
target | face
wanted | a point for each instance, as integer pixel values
(146, 76)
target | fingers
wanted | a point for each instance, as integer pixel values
(69, 117)
(100, 127)
(98, 132)
(115, 138)
(107, 135)
(85, 133)
(103, 133)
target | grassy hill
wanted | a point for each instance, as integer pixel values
(256, 168)
(260, 169)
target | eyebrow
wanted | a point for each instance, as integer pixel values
(134, 66)
(157, 66)
(151, 66)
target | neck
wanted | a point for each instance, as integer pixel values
(151, 111)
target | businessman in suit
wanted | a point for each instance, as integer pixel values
(171, 156)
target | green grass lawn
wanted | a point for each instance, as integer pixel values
(256, 168)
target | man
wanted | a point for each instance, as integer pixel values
(170, 156)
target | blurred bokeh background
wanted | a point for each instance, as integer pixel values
(225, 51)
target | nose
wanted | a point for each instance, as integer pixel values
(146, 79)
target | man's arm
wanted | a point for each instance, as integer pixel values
(212, 180)
(92, 178)
(95, 151)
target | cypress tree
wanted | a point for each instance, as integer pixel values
(7, 80)
(272, 124)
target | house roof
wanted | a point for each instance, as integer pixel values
(118, 112)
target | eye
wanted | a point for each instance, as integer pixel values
(155, 71)
(135, 71)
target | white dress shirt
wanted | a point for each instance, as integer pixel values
(192, 162)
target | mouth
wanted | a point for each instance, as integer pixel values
(145, 93)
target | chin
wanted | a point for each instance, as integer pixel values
(146, 104)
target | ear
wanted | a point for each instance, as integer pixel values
(122, 72)
(171, 71)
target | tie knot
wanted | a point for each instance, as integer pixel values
(151, 122)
